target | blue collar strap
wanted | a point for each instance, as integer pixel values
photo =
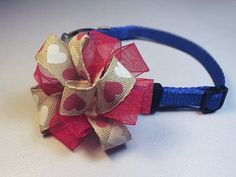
(207, 99)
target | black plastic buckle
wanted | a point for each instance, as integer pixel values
(67, 36)
(156, 98)
(207, 95)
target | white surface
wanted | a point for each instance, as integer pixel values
(167, 144)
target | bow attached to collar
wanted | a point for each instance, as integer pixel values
(90, 84)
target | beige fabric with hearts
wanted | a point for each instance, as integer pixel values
(55, 57)
(46, 107)
(112, 134)
(84, 90)
(112, 75)
(75, 47)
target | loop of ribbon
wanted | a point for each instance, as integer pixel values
(90, 85)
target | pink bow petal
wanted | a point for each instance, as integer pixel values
(97, 52)
(130, 57)
(127, 111)
(46, 81)
(145, 86)
(70, 130)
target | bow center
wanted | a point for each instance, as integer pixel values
(78, 97)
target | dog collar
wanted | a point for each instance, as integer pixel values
(87, 81)
(207, 99)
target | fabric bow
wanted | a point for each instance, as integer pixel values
(90, 84)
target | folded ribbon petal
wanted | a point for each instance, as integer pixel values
(76, 46)
(46, 107)
(110, 133)
(55, 58)
(77, 97)
(70, 130)
(113, 87)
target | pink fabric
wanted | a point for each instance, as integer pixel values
(145, 86)
(70, 130)
(46, 81)
(127, 111)
(130, 57)
(97, 52)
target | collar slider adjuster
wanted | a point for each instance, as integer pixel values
(213, 99)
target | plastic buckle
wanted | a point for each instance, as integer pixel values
(156, 98)
(104, 27)
(67, 36)
(207, 95)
